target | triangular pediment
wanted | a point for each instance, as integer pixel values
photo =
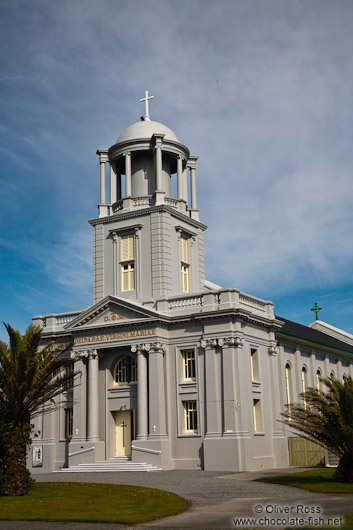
(112, 311)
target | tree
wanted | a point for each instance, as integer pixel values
(326, 418)
(30, 378)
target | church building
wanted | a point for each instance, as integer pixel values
(174, 372)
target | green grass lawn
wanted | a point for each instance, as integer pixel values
(317, 480)
(82, 502)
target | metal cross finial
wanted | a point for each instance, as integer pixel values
(145, 99)
(316, 309)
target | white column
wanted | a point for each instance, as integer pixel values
(158, 168)
(103, 159)
(185, 186)
(180, 176)
(193, 188)
(93, 409)
(112, 185)
(141, 395)
(157, 415)
(103, 198)
(127, 174)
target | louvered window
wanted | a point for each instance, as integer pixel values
(127, 263)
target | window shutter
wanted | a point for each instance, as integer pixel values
(184, 250)
(127, 247)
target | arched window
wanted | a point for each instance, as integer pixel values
(288, 386)
(318, 379)
(304, 384)
(125, 371)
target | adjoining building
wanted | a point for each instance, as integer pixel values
(174, 371)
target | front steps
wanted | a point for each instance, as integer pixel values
(114, 464)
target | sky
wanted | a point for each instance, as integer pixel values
(260, 90)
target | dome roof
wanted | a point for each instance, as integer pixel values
(146, 129)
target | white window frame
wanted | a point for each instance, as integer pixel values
(127, 263)
(191, 417)
(189, 364)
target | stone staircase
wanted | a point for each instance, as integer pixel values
(114, 464)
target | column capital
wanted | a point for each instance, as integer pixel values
(92, 354)
(191, 162)
(273, 348)
(236, 341)
(148, 346)
(103, 155)
(158, 140)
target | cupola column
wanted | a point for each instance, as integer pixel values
(112, 185)
(180, 176)
(103, 159)
(127, 174)
(185, 186)
(192, 166)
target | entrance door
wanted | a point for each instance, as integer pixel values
(123, 426)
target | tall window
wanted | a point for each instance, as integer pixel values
(127, 262)
(185, 265)
(304, 385)
(288, 386)
(189, 365)
(318, 379)
(190, 411)
(257, 415)
(125, 371)
(68, 422)
(254, 365)
(69, 370)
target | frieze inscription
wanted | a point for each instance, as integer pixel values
(116, 336)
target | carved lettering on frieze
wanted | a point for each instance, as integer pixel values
(113, 317)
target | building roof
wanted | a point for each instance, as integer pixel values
(294, 329)
(146, 129)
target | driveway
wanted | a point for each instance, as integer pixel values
(215, 500)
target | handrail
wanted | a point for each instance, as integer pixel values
(145, 450)
(87, 450)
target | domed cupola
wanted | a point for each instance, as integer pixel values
(148, 154)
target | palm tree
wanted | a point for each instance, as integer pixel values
(326, 418)
(30, 378)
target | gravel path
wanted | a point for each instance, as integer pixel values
(215, 498)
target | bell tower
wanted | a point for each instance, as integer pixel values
(147, 244)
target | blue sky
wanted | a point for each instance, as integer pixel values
(260, 90)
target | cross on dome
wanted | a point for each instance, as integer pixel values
(145, 99)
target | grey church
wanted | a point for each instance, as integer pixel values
(174, 372)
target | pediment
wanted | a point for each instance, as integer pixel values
(112, 311)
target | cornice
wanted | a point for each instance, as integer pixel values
(147, 211)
